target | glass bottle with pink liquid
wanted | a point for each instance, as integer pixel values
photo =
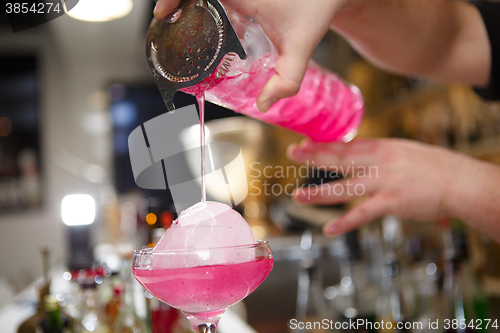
(325, 109)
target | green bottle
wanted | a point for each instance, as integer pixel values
(54, 321)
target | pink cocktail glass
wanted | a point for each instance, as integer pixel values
(203, 292)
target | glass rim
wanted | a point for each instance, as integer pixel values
(149, 250)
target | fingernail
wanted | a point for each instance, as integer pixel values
(332, 229)
(309, 145)
(300, 196)
(266, 105)
(300, 154)
(158, 6)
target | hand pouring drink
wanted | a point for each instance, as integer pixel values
(207, 50)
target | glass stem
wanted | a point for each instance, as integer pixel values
(205, 328)
(205, 323)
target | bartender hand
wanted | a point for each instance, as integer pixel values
(403, 178)
(295, 27)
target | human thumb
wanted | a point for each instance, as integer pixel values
(290, 70)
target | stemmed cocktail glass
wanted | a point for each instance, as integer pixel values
(201, 291)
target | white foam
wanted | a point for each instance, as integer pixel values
(206, 225)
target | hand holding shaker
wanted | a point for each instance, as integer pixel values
(205, 48)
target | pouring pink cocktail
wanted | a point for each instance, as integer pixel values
(326, 109)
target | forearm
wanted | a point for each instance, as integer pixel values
(474, 197)
(440, 39)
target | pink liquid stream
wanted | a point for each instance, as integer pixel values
(205, 291)
(200, 98)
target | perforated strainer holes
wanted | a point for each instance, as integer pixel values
(188, 64)
(192, 60)
(225, 64)
(159, 68)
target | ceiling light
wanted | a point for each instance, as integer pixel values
(98, 10)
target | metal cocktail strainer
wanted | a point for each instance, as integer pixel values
(185, 47)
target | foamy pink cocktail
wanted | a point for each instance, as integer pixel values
(203, 292)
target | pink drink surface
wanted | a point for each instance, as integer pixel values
(202, 289)
(325, 109)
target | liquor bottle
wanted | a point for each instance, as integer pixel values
(31, 324)
(428, 312)
(310, 303)
(166, 319)
(92, 313)
(128, 320)
(54, 320)
(456, 252)
(361, 306)
(112, 308)
(391, 305)
(392, 309)
(478, 298)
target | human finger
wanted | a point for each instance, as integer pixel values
(365, 212)
(163, 7)
(290, 70)
(346, 155)
(335, 192)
